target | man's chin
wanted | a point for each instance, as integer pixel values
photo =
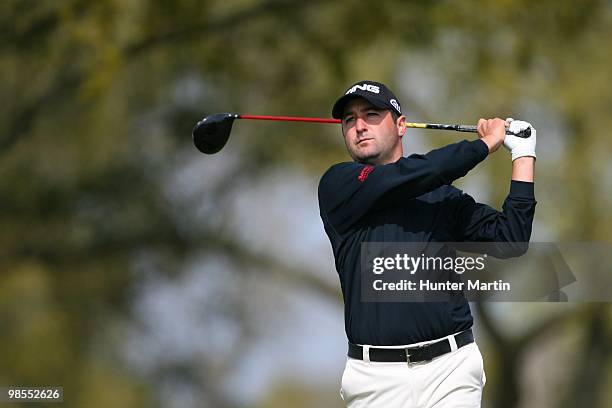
(367, 158)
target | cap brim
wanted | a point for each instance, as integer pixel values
(338, 108)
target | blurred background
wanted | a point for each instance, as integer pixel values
(137, 272)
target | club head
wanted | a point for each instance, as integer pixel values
(211, 133)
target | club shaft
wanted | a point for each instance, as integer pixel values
(459, 128)
(289, 118)
(438, 126)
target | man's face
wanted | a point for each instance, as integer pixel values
(370, 133)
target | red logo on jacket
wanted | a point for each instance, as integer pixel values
(365, 173)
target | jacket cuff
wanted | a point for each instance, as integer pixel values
(481, 147)
(523, 189)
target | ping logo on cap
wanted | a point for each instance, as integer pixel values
(364, 87)
(395, 105)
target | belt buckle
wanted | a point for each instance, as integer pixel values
(407, 351)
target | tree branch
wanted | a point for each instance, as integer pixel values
(231, 21)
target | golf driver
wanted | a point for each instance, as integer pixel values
(211, 133)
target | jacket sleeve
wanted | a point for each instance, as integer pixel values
(347, 191)
(511, 227)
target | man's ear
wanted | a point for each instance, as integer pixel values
(401, 126)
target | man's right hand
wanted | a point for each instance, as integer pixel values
(492, 132)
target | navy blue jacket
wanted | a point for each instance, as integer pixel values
(412, 200)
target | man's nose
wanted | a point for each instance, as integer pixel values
(360, 124)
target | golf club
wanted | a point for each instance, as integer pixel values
(211, 133)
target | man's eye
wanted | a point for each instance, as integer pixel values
(372, 113)
(349, 119)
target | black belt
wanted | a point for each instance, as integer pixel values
(412, 354)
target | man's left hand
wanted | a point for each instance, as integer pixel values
(519, 146)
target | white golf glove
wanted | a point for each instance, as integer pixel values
(518, 146)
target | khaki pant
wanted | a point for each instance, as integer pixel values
(454, 379)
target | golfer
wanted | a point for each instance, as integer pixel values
(413, 354)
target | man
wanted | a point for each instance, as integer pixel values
(413, 354)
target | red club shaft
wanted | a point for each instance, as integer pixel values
(289, 118)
